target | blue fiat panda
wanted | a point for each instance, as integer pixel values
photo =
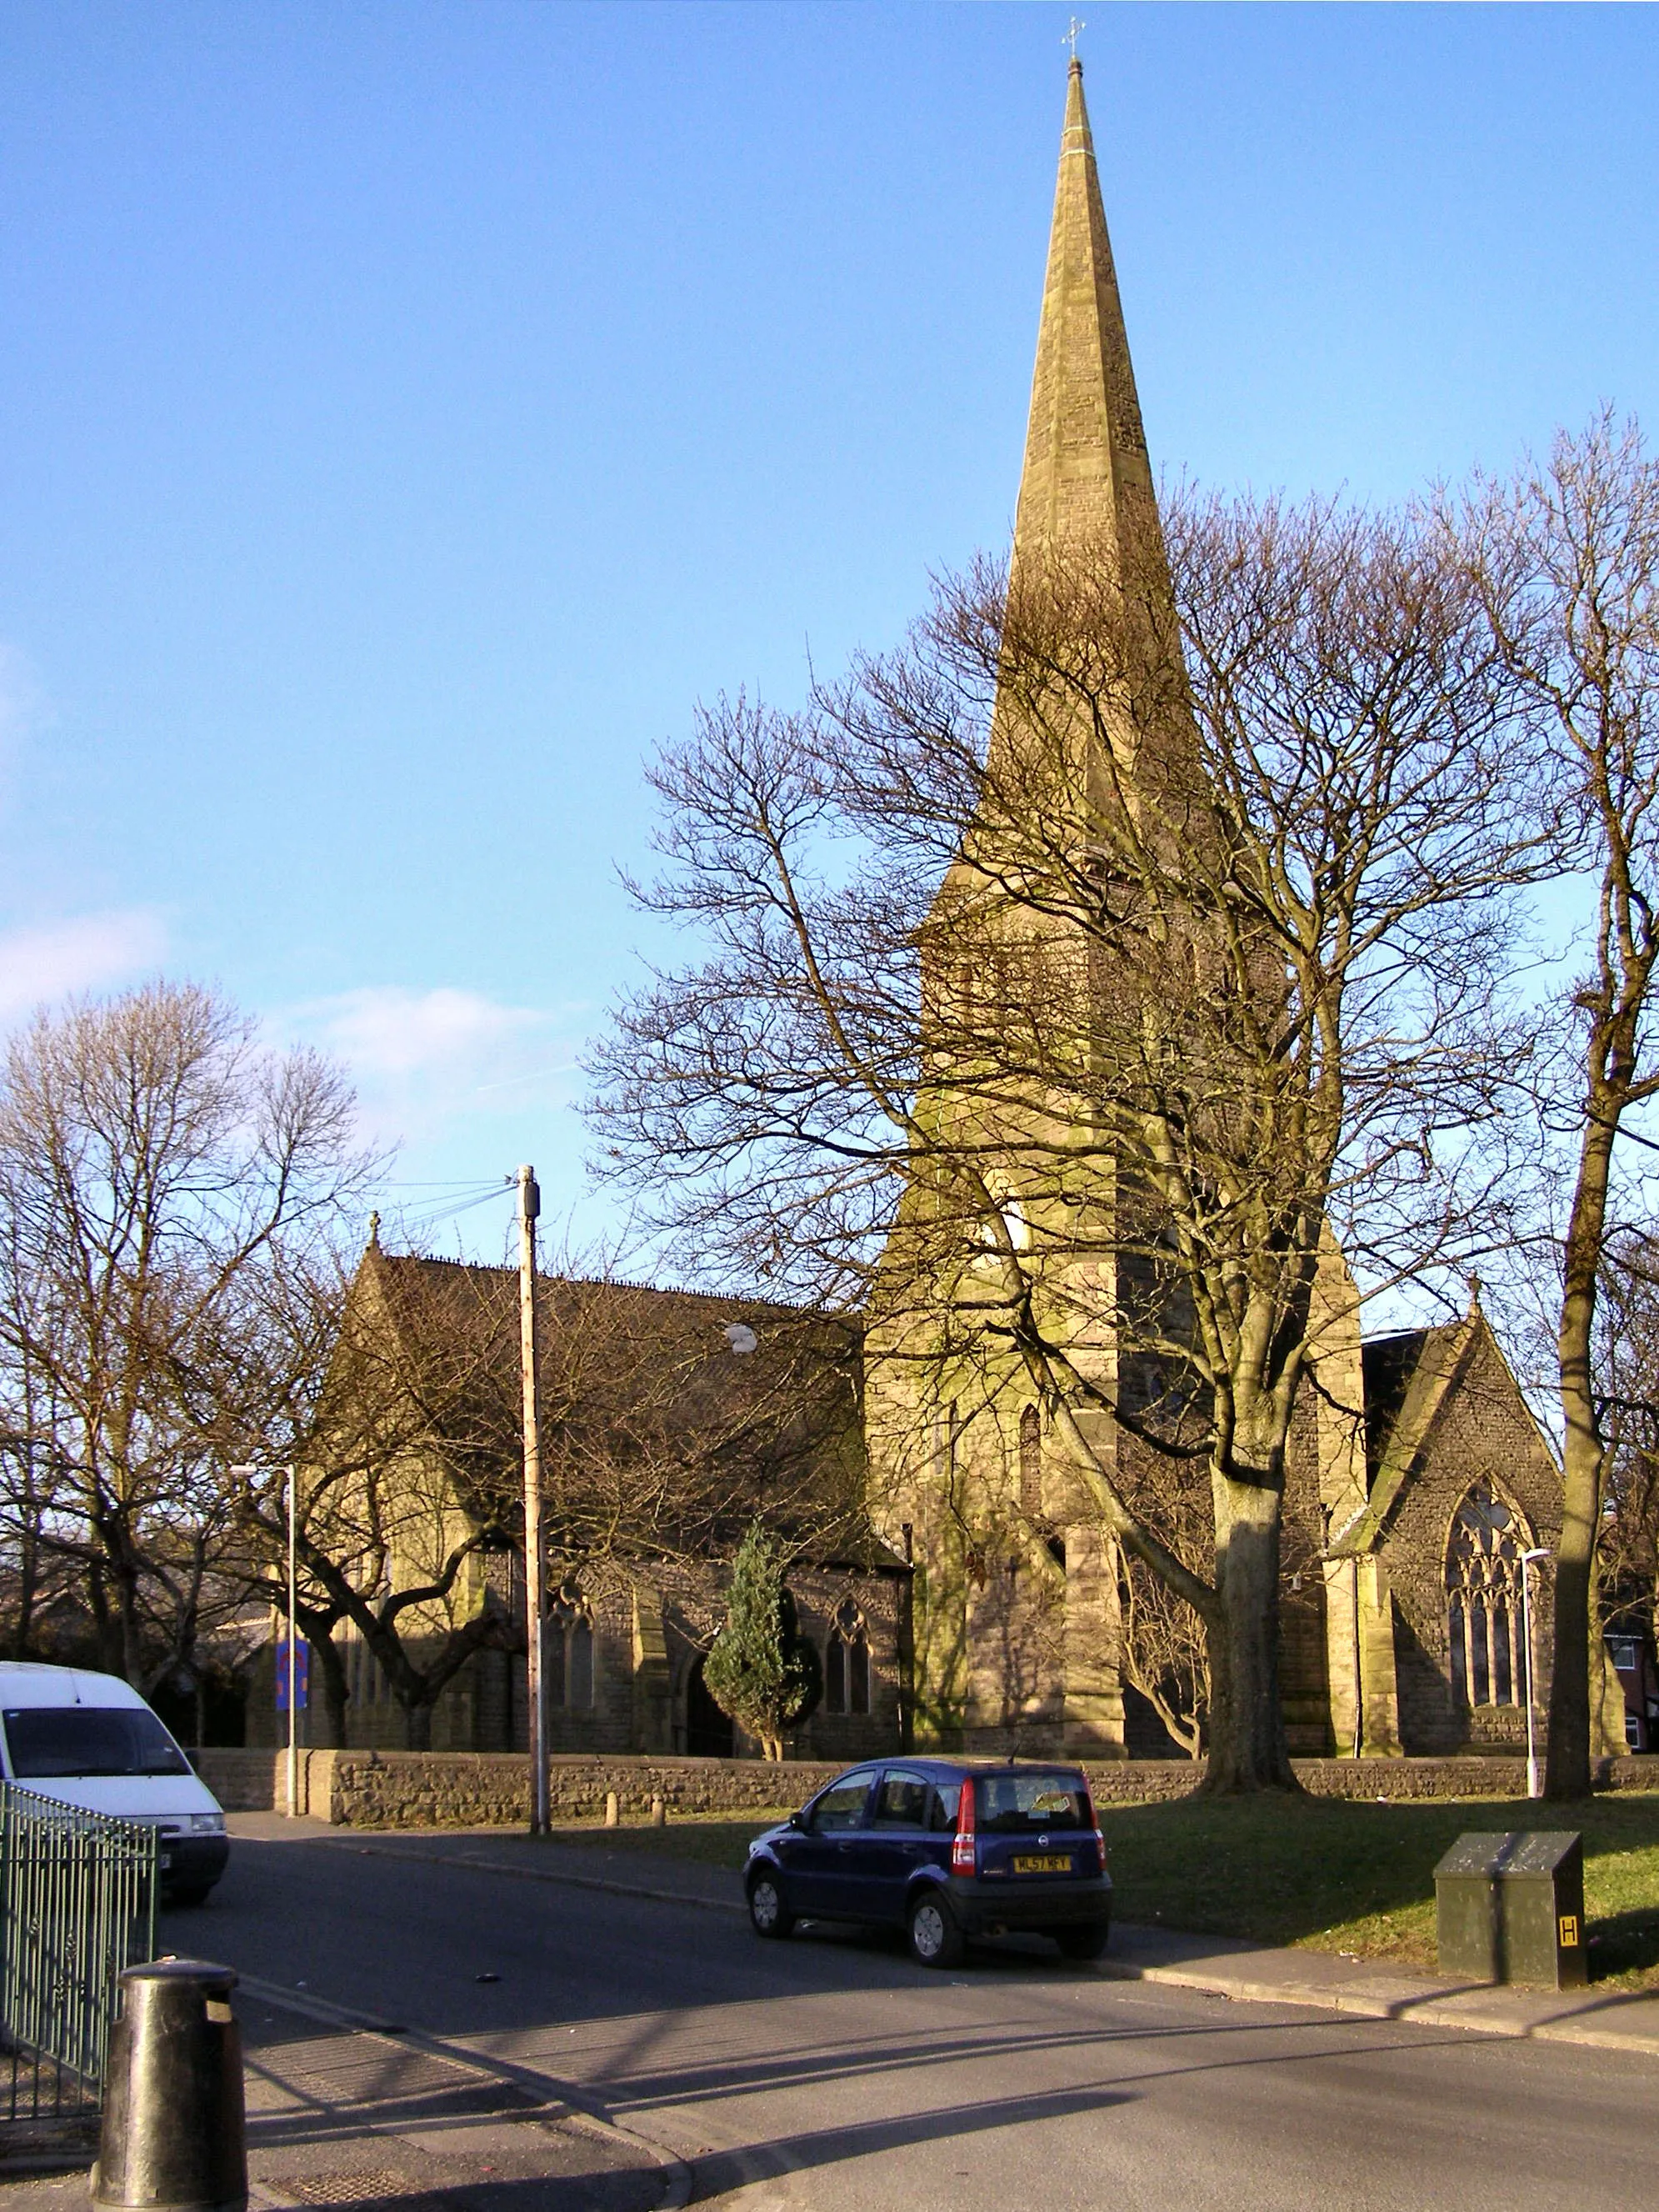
(946, 1849)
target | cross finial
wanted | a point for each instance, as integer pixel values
(1069, 37)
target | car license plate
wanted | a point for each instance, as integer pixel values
(1044, 1862)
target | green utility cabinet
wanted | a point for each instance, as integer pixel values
(1510, 1908)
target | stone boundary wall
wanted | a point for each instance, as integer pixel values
(479, 1789)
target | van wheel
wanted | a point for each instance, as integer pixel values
(935, 1939)
(192, 1892)
(766, 1913)
(1087, 1942)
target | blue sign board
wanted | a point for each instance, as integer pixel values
(301, 1675)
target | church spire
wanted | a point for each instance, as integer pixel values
(1086, 474)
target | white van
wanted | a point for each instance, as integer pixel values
(91, 1740)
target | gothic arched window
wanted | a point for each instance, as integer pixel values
(1483, 1600)
(846, 1662)
(1030, 1461)
(567, 1652)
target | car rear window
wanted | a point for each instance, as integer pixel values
(48, 1741)
(1009, 1804)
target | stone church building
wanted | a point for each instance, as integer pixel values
(974, 1599)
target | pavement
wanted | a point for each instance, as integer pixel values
(619, 2052)
(342, 2113)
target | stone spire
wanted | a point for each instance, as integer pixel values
(1086, 473)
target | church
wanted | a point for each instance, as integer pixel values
(976, 1600)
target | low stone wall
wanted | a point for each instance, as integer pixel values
(479, 1789)
(400, 1790)
(256, 1781)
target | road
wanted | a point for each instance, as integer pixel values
(828, 2075)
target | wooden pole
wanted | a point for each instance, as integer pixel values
(530, 1205)
(292, 1642)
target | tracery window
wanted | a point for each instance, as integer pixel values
(1484, 1613)
(567, 1652)
(846, 1662)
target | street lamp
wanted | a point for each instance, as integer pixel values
(293, 1631)
(1529, 1561)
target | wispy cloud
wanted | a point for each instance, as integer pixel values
(422, 1060)
(90, 953)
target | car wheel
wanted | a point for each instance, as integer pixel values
(1088, 1942)
(193, 1893)
(935, 1939)
(767, 1915)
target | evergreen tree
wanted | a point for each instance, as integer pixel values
(762, 1670)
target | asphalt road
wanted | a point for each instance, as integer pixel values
(828, 2073)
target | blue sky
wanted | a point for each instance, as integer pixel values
(408, 411)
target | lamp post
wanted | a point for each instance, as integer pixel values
(291, 1475)
(530, 1207)
(1529, 1561)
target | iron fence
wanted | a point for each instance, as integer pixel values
(77, 1905)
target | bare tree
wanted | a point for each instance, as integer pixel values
(1127, 930)
(1567, 558)
(156, 1165)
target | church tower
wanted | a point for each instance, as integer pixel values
(1016, 1614)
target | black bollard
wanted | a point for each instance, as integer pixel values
(173, 2132)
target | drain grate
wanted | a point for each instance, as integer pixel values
(360, 2185)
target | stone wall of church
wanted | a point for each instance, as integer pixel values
(1304, 1679)
(1483, 1431)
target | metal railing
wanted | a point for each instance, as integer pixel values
(77, 1906)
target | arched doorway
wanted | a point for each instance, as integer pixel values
(707, 1729)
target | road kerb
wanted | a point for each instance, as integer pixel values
(1525, 2013)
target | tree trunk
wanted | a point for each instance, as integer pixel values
(1568, 1770)
(418, 1725)
(131, 1668)
(29, 1557)
(336, 1697)
(1248, 1750)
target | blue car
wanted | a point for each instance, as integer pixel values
(946, 1849)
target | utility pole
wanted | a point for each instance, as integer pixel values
(293, 1639)
(530, 1205)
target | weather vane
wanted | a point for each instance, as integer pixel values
(1069, 37)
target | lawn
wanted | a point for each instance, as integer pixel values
(1319, 1872)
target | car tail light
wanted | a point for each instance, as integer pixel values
(1094, 1821)
(962, 1844)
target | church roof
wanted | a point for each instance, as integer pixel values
(749, 1406)
(1410, 1377)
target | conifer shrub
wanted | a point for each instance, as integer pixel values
(760, 1670)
